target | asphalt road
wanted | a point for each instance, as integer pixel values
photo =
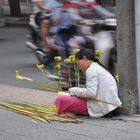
(14, 55)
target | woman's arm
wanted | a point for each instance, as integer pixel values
(91, 86)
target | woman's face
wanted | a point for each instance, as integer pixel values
(83, 64)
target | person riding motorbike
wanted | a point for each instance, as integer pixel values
(61, 33)
(46, 13)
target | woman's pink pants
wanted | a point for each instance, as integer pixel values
(71, 104)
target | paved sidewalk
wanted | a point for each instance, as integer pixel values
(15, 126)
(11, 93)
(17, 94)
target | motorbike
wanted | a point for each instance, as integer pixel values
(57, 40)
(57, 43)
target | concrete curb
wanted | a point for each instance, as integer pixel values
(16, 21)
(17, 24)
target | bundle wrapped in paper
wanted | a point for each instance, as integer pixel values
(63, 93)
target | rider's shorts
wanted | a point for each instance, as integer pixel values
(39, 16)
(54, 15)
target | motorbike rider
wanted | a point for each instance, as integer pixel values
(47, 13)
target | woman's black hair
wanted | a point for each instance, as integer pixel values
(89, 54)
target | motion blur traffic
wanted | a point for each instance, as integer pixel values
(82, 24)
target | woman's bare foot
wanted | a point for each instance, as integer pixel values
(68, 114)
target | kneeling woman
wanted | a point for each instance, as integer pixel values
(100, 95)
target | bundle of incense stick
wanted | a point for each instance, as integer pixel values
(43, 113)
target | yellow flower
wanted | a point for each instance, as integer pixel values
(76, 51)
(99, 52)
(19, 77)
(40, 66)
(57, 58)
(67, 61)
(72, 58)
(57, 67)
